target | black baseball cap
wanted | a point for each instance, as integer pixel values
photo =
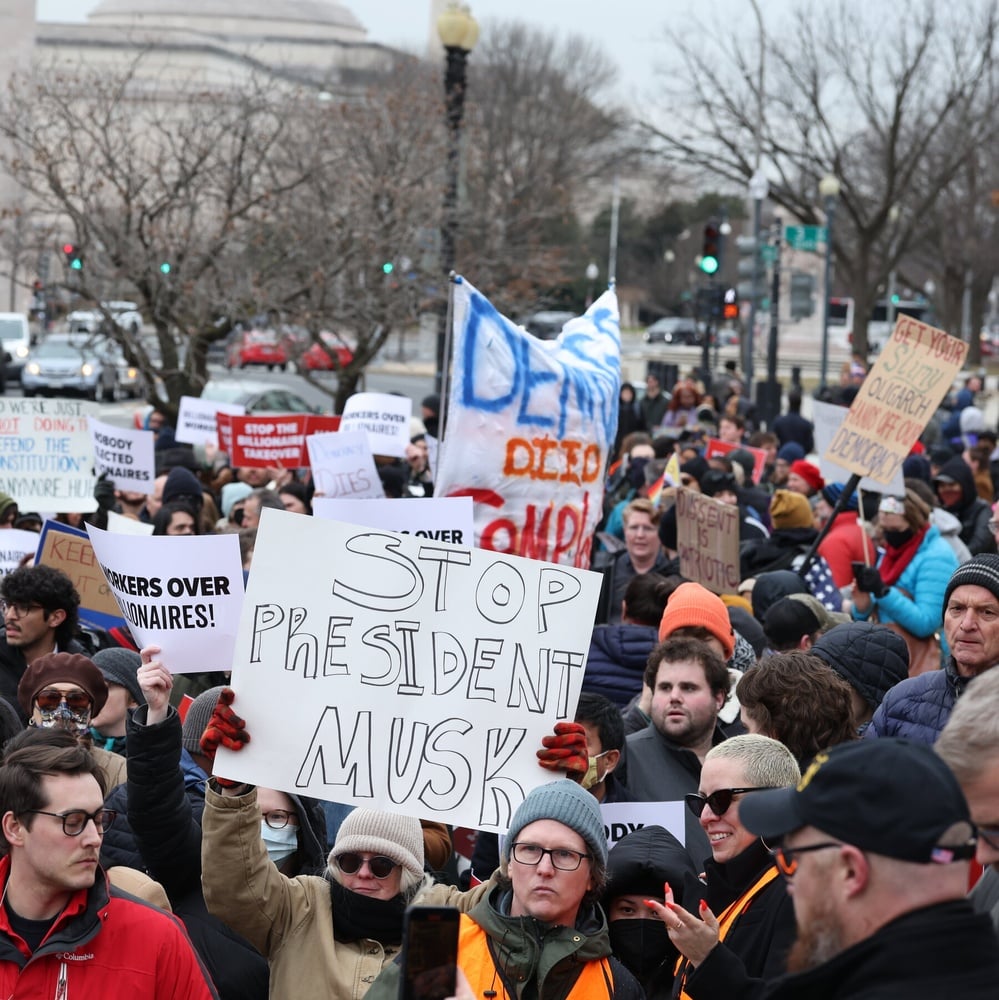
(888, 796)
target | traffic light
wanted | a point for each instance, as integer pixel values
(165, 267)
(709, 252)
(388, 267)
(730, 307)
(73, 255)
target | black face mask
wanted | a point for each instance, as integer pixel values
(896, 539)
(643, 945)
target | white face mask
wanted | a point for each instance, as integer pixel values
(590, 778)
(281, 844)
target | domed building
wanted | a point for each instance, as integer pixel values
(217, 43)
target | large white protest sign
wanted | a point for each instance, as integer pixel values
(529, 428)
(125, 455)
(181, 593)
(343, 466)
(622, 818)
(46, 457)
(442, 519)
(402, 674)
(383, 416)
(15, 544)
(196, 419)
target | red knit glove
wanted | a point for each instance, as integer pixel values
(566, 750)
(225, 728)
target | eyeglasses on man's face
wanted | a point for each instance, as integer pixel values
(75, 821)
(19, 609)
(787, 857)
(562, 858)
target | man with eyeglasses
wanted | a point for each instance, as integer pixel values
(65, 932)
(874, 844)
(969, 745)
(40, 607)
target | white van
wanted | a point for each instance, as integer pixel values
(17, 342)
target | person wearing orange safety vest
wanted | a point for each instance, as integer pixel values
(739, 936)
(539, 931)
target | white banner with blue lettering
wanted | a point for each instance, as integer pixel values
(530, 424)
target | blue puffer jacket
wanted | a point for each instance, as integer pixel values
(918, 708)
(925, 579)
(616, 661)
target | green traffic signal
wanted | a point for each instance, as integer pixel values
(388, 267)
(895, 299)
(165, 267)
(76, 264)
(708, 264)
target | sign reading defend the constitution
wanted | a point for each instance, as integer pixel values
(897, 399)
(403, 673)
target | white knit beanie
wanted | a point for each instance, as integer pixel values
(397, 837)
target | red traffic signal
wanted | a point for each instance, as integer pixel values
(68, 249)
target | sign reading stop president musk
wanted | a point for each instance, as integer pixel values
(898, 397)
(403, 673)
(529, 428)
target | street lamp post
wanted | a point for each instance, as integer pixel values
(758, 190)
(458, 32)
(829, 190)
(592, 273)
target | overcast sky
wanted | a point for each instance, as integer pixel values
(631, 32)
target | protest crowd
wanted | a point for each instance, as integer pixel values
(822, 703)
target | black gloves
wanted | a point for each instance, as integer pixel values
(869, 580)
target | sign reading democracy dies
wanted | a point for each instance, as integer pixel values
(343, 466)
(441, 519)
(183, 594)
(196, 419)
(46, 457)
(404, 674)
(125, 455)
(383, 417)
(897, 399)
(707, 541)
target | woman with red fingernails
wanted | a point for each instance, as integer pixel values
(738, 936)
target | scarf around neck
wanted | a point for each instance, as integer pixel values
(356, 916)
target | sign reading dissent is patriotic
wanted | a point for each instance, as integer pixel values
(530, 425)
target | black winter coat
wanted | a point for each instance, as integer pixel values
(616, 661)
(945, 950)
(973, 512)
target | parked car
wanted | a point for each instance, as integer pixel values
(15, 333)
(547, 325)
(256, 347)
(331, 354)
(257, 397)
(677, 330)
(66, 363)
(125, 314)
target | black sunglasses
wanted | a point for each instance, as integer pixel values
(350, 864)
(720, 801)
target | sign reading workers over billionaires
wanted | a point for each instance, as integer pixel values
(183, 594)
(402, 673)
(46, 457)
(898, 397)
(530, 426)
(707, 541)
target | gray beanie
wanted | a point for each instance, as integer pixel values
(565, 802)
(980, 571)
(397, 837)
(196, 720)
(119, 666)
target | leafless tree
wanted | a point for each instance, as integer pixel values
(891, 105)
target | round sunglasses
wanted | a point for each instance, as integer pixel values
(350, 864)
